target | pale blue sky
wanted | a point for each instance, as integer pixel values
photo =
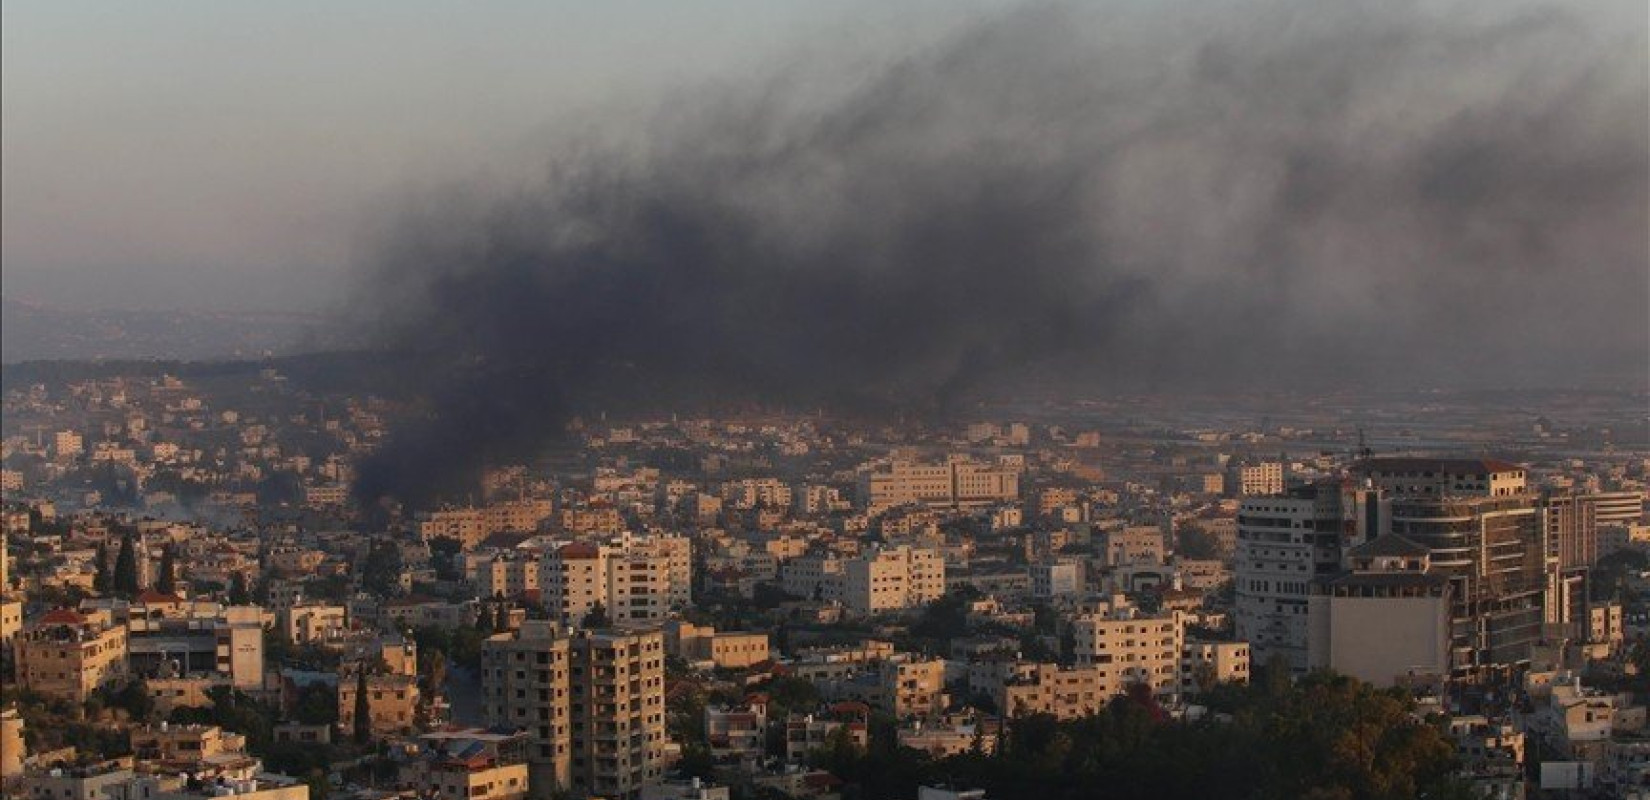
(226, 154)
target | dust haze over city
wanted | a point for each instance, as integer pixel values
(894, 363)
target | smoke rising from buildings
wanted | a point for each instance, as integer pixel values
(1155, 195)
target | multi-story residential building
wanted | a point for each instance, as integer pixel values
(1129, 647)
(525, 680)
(671, 553)
(184, 639)
(836, 663)
(1574, 523)
(1065, 693)
(1056, 579)
(67, 445)
(11, 619)
(950, 736)
(477, 778)
(314, 624)
(592, 704)
(1569, 530)
(1135, 544)
(14, 749)
(912, 687)
(617, 714)
(815, 577)
(69, 656)
(1206, 663)
(185, 743)
(470, 525)
(757, 493)
(816, 499)
(960, 482)
(738, 734)
(806, 733)
(1263, 479)
(638, 587)
(98, 781)
(724, 650)
(573, 580)
(597, 517)
(1284, 543)
(331, 494)
(503, 574)
(892, 578)
(1616, 509)
(470, 764)
(392, 702)
(633, 578)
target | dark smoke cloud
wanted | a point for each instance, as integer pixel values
(1151, 194)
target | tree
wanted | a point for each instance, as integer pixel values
(167, 581)
(501, 618)
(946, 618)
(444, 552)
(1197, 544)
(102, 581)
(238, 594)
(132, 697)
(317, 705)
(381, 572)
(126, 577)
(435, 669)
(363, 711)
(597, 618)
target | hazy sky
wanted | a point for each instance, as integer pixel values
(159, 155)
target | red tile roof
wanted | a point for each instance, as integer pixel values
(63, 616)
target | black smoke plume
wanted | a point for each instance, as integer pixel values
(1166, 195)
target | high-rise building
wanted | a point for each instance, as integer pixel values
(525, 682)
(1489, 549)
(617, 712)
(1569, 529)
(1284, 543)
(1621, 509)
(592, 703)
(1483, 531)
(1387, 619)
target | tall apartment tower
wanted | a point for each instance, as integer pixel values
(1285, 542)
(525, 684)
(591, 702)
(1569, 528)
(1484, 533)
(617, 712)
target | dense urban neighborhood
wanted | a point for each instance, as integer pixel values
(1340, 596)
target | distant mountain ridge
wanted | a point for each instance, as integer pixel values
(35, 331)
